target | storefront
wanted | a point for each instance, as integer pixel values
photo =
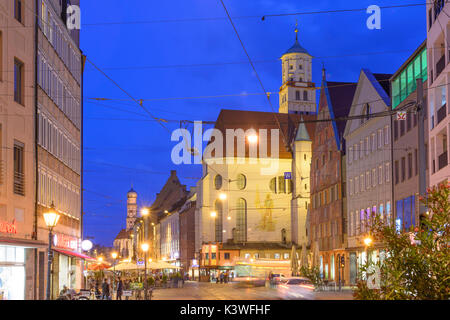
(68, 264)
(17, 268)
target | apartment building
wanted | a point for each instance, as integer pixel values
(406, 138)
(368, 143)
(327, 218)
(41, 137)
(438, 58)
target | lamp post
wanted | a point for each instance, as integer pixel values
(367, 243)
(114, 256)
(144, 248)
(51, 218)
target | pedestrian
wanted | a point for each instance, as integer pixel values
(105, 290)
(119, 289)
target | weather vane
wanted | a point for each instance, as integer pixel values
(296, 29)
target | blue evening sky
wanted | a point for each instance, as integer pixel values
(160, 60)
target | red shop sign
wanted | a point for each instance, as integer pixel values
(6, 227)
(65, 242)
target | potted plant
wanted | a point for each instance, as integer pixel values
(164, 280)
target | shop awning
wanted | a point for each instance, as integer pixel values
(75, 254)
(29, 243)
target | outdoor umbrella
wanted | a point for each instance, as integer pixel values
(98, 266)
(304, 259)
(124, 266)
(294, 261)
(165, 265)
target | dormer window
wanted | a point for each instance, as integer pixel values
(291, 67)
(365, 113)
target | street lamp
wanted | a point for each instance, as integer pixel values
(223, 196)
(144, 248)
(114, 256)
(368, 241)
(51, 218)
(253, 138)
(213, 214)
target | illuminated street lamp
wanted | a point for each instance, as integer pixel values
(253, 138)
(213, 214)
(144, 248)
(51, 218)
(367, 241)
(223, 196)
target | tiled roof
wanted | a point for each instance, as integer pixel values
(123, 234)
(341, 96)
(238, 119)
(297, 48)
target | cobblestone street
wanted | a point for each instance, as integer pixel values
(212, 291)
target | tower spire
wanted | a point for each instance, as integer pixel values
(296, 30)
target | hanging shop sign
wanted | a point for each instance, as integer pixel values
(6, 227)
(65, 242)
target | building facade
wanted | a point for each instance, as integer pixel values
(44, 89)
(406, 139)
(369, 158)
(188, 261)
(438, 55)
(327, 218)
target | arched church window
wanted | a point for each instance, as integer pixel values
(305, 95)
(218, 182)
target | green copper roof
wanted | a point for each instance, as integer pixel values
(302, 133)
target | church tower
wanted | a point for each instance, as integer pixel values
(298, 92)
(131, 208)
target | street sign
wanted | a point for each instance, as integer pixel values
(401, 115)
(288, 175)
(140, 262)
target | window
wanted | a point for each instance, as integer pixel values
(213, 256)
(305, 95)
(277, 256)
(395, 130)
(226, 256)
(374, 177)
(416, 162)
(367, 146)
(402, 128)
(403, 169)
(218, 221)
(18, 10)
(285, 256)
(297, 95)
(241, 181)
(380, 175)
(387, 172)
(386, 135)
(380, 138)
(355, 152)
(18, 81)
(396, 168)
(241, 220)
(356, 185)
(361, 149)
(350, 155)
(367, 179)
(374, 142)
(19, 177)
(281, 184)
(218, 182)
(410, 164)
(362, 185)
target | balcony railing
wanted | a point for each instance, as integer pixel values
(442, 113)
(440, 65)
(19, 183)
(443, 161)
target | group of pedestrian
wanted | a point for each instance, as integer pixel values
(224, 277)
(106, 291)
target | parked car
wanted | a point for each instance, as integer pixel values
(296, 288)
(278, 277)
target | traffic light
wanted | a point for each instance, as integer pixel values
(343, 261)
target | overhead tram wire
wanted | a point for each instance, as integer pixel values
(206, 19)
